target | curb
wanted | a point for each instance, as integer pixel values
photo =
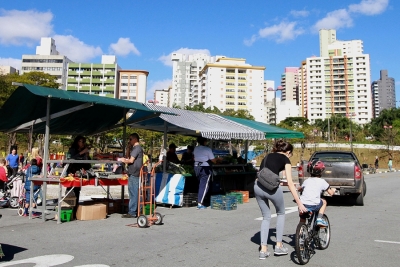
(382, 172)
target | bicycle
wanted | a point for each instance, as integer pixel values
(309, 236)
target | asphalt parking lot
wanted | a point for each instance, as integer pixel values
(361, 236)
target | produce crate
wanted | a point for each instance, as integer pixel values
(189, 200)
(246, 195)
(238, 195)
(221, 202)
(68, 202)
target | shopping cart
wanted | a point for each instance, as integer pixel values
(146, 199)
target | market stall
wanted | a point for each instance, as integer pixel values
(65, 113)
(211, 126)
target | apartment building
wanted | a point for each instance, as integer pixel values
(303, 89)
(232, 84)
(269, 101)
(48, 60)
(185, 78)
(132, 85)
(383, 93)
(340, 82)
(290, 84)
(90, 78)
(7, 70)
(162, 97)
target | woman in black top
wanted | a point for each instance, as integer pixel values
(79, 151)
(276, 161)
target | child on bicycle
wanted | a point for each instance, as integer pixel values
(311, 191)
(32, 170)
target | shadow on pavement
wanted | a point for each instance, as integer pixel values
(9, 252)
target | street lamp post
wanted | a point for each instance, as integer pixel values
(274, 90)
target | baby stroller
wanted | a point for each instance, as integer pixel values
(22, 201)
(6, 198)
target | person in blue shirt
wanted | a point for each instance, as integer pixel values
(13, 161)
(32, 170)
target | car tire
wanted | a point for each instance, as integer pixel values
(359, 198)
(364, 188)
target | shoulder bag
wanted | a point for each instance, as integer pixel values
(268, 179)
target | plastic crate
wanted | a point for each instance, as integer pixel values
(238, 195)
(68, 202)
(246, 195)
(220, 202)
(189, 200)
(66, 215)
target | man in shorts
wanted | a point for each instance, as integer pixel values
(311, 190)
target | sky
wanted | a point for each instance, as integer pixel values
(143, 34)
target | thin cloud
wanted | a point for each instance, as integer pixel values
(342, 18)
(157, 85)
(369, 7)
(123, 47)
(75, 49)
(299, 13)
(335, 20)
(166, 59)
(13, 62)
(24, 27)
(280, 33)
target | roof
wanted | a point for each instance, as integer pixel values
(195, 123)
(269, 130)
(71, 112)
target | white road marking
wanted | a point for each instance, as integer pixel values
(383, 241)
(288, 210)
(49, 260)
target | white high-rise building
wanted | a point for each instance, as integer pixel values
(161, 97)
(339, 83)
(48, 60)
(303, 89)
(269, 101)
(185, 78)
(289, 83)
(232, 84)
(286, 109)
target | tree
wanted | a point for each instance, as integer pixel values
(6, 89)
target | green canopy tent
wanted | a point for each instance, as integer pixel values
(70, 113)
(39, 109)
(269, 130)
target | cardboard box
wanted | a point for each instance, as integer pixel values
(91, 212)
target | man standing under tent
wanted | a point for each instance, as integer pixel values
(135, 163)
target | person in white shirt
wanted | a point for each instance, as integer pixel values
(311, 191)
(203, 156)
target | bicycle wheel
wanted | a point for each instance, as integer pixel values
(324, 235)
(302, 243)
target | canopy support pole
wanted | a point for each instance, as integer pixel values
(45, 157)
(246, 149)
(165, 147)
(123, 153)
